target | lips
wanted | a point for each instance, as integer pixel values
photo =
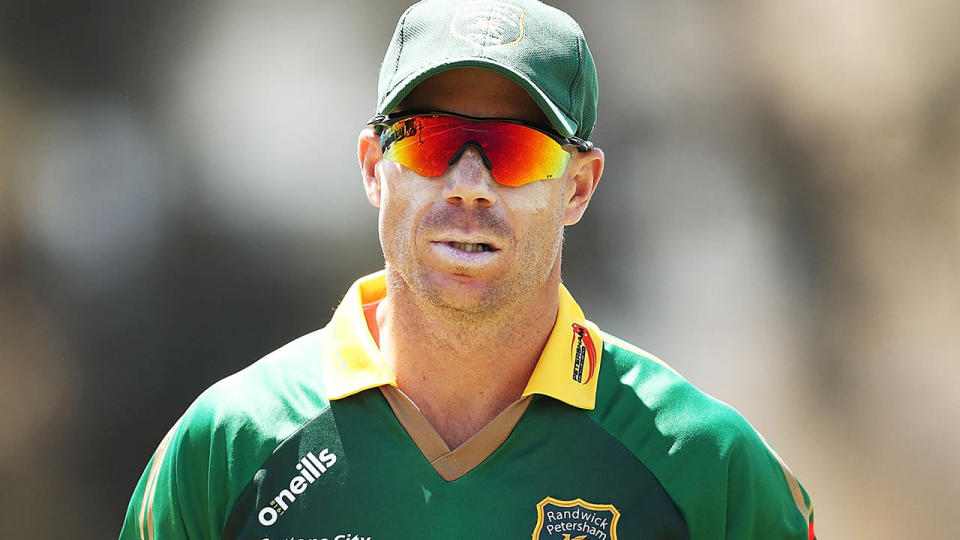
(466, 240)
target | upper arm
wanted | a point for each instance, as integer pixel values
(172, 498)
(763, 497)
(155, 509)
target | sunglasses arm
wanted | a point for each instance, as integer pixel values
(582, 145)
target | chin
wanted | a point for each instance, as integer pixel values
(462, 294)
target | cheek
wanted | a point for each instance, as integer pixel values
(393, 208)
(538, 206)
(539, 220)
(534, 197)
(401, 203)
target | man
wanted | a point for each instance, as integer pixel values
(461, 393)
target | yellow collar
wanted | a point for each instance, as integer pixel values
(353, 363)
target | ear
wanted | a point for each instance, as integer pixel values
(370, 154)
(583, 174)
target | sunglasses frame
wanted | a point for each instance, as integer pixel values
(382, 121)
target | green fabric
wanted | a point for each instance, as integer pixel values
(382, 487)
(673, 462)
(708, 457)
(223, 438)
(540, 47)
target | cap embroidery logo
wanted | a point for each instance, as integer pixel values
(575, 520)
(488, 23)
(584, 354)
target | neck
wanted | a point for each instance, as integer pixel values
(462, 370)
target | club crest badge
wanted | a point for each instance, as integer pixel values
(575, 520)
(584, 354)
(488, 23)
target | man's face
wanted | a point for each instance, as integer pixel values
(435, 232)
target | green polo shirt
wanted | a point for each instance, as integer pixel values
(315, 441)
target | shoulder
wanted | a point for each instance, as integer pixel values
(213, 451)
(634, 382)
(718, 469)
(275, 394)
(252, 411)
(234, 426)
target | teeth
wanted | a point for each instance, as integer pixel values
(469, 248)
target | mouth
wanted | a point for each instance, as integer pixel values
(460, 255)
(470, 248)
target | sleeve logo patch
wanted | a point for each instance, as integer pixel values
(488, 23)
(584, 354)
(575, 520)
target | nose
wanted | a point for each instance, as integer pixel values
(469, 181)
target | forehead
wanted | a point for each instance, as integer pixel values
(474, 92)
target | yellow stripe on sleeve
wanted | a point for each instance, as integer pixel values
(146, 507)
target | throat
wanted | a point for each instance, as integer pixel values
(461, 381)
(462, 371)
(457, 421)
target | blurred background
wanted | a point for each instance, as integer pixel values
(779, 219)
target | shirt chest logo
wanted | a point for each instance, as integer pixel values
(575, 520)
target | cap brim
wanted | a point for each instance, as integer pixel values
(558, 119)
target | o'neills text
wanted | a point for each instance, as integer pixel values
(310, 468)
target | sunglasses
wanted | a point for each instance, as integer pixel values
(515, 152)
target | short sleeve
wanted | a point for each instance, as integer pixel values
(172, 498)
(764, 498)
(154, 510)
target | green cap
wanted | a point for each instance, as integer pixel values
(539, 47)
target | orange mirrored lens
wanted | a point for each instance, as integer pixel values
(516, 154)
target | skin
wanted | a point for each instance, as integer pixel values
(453, 318)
